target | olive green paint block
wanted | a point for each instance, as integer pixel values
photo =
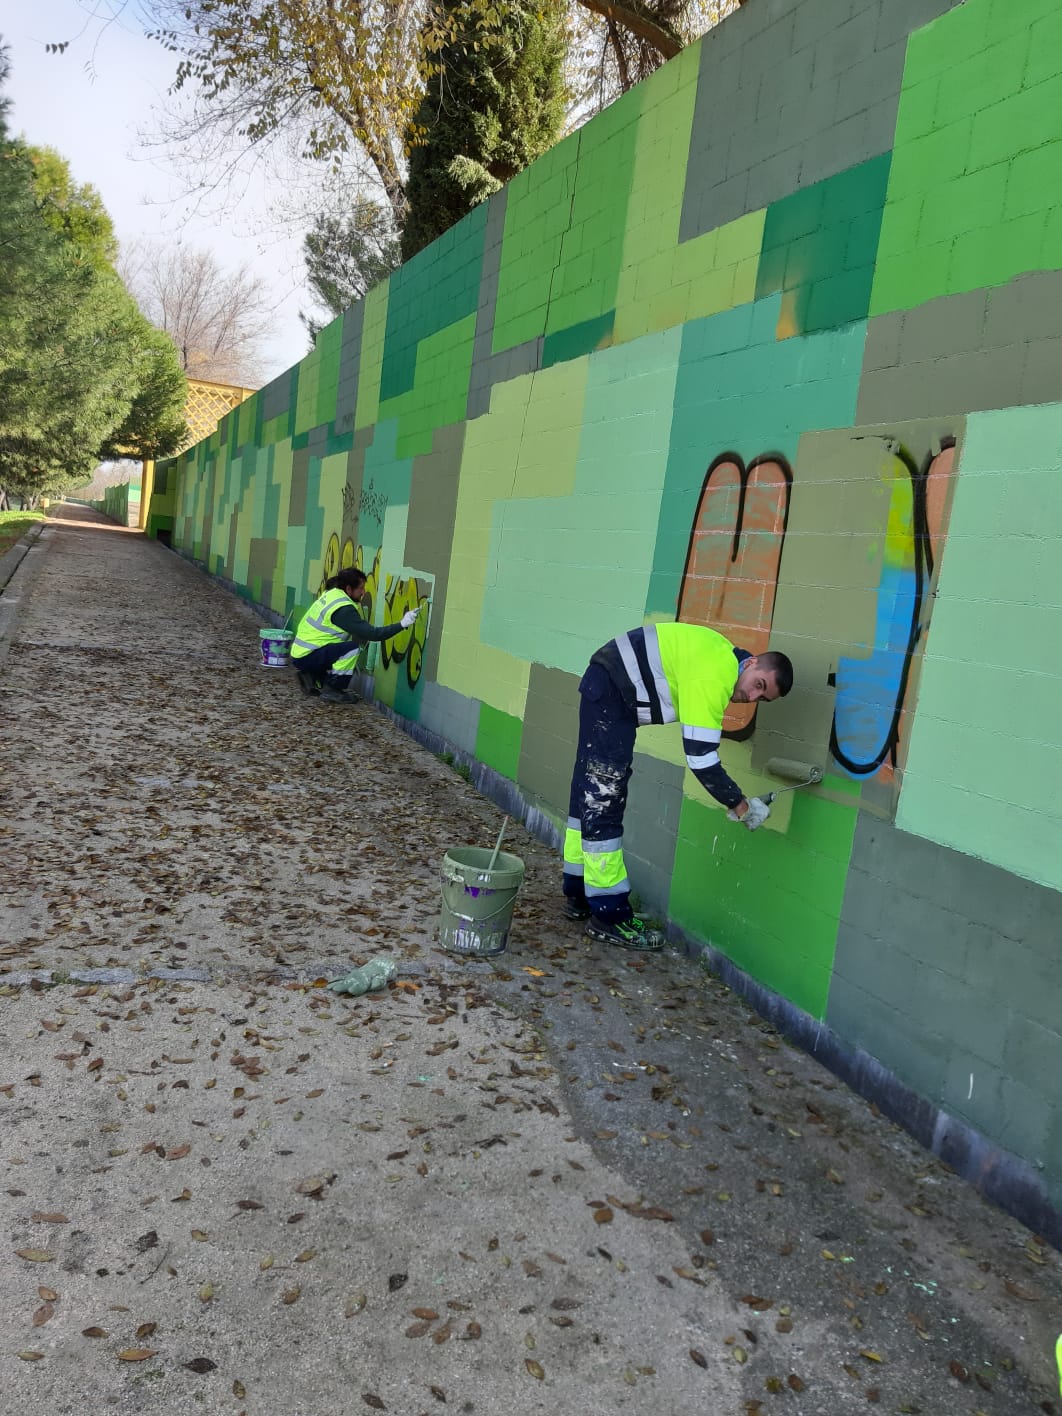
(770, 901)
(498, 741)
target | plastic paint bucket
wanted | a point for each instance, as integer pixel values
(477, 900)
(276, 647)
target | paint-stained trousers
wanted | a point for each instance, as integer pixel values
(338, 658)
(593, 841)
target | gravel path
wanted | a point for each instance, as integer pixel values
(565, 1180)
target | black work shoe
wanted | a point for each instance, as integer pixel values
(335, 695)
(576, 909)
(629, 934)
(308, 683)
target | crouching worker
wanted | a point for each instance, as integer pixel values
(664, 673)
(331, 635)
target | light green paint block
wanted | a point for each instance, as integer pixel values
(974, 145)
(984, 771)
(538, 205)
(502, 461)
(593, 557)
(664, 282)
(440, 389)
(306, 407)
(370, 363)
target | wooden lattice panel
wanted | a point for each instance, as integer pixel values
(207, 404)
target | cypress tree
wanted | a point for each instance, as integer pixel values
(495, 101)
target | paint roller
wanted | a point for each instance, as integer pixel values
(797, 774)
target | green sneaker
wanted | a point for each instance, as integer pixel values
(630, 934)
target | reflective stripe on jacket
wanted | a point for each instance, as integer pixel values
(679, 673)
(316, 627)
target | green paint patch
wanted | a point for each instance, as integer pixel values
(770, 902)
(434, 291)
(819, 249)
(976, 162)
(498, 740)
(440, 392)
(578, 340)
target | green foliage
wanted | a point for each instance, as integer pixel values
(80, 368)
(14, 525)
(495, 101)
(74, 211)
(346, 255)
(154, 426)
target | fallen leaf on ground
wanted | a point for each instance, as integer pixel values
(35, 1256)
(136, 1354)
(535, 1368)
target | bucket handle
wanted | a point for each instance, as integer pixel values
(452, 879)
(485, 919)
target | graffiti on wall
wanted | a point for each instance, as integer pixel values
(730, 579)
(872, 689)
(396, 598)
(408, 647)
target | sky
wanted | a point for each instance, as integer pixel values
(90, 105)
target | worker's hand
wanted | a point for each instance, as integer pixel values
(756, 815)
(410, 618)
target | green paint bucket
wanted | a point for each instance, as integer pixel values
(479, 889)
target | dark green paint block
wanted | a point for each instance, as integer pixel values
(819, 248)
(498, 740)
(578, 339)
(769, 901)
(438, 287)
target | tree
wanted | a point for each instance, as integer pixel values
(613, 47)
(73, 209)
(495, 102)
(216, 320)
(351, 74)
(74, 349)
(154, 427)
(347, 254)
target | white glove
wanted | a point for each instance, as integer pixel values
(409, 618)
(756, 815)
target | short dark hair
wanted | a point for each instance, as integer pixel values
(778, 664)
(350, 579)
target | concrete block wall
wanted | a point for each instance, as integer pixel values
(771, 344)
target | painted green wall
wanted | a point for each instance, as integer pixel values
(779, 357)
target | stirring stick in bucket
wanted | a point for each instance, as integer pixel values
(497, 844)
